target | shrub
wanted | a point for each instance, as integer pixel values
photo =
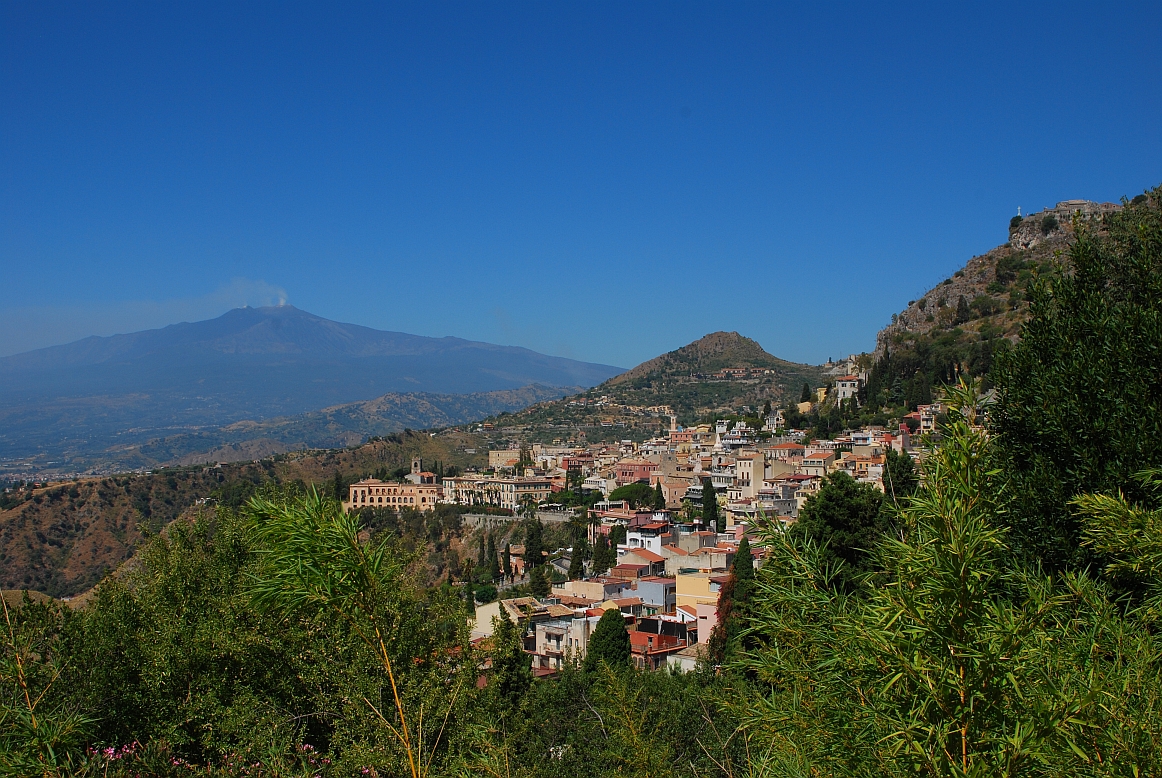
(1048, 224)
(1015, 222)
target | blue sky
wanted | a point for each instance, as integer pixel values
(596, 180)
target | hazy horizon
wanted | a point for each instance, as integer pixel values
(796, 174)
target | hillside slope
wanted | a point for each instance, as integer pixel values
(956, 327)
(720, 373)
(67, 405)
(63, 538)
(336, 427)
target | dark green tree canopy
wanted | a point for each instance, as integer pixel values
(534, 542)
(844, 516)
(1079, 398)
(639, 495)
(609, 642)
(900, 477)
(711, 519)
(539, 584)
(512, 673)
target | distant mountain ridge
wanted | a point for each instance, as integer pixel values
(70, 404)
(336, 427)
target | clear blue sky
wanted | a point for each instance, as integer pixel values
(605, 181)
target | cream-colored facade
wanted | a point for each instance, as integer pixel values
(373, 493)
(511, 493)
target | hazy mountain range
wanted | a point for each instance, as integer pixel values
(76, 406)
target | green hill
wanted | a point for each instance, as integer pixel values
(721, 373)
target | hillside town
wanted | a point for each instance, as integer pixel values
(669, 566)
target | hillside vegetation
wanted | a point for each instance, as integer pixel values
(689, 381)
(61, 539)
(957, 327)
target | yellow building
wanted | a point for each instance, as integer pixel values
(373, 493)
(698, 588)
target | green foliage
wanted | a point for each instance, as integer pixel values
(958, 662)
(1015, 222)
(603, 556)
(900, 477)
(1128, 539)
(534, 542)
(38, 736)
(539, 584)
(512, 673)
(1048, 224)
(963, 312)
(639, 495)
(735, 607)
(1079, 398)
(712, 519)
(845, 522)
(493, 558)
(609, 643)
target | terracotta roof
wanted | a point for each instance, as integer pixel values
(646, 554)
(788, 445)
(820, 455)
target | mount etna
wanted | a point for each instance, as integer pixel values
(92, 404)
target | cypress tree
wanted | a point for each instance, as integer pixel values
(534, 543)
(511, 667)
(805, 395)
(963, 313)
(493, 559)
(508, 560)
(659, 498)
(711, 518)
(539, 583)
(609, 642)
(734, 605)
(601, 555)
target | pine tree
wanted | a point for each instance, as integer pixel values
(609, 642)
(711, 518)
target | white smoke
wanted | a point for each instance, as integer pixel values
(32, 327)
